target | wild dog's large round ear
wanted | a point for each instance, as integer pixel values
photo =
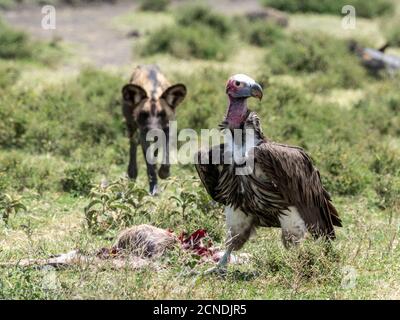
(174, 95)
(133, 93)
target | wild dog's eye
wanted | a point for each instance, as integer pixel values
(162, 114)
(237, 83)
(143, 116)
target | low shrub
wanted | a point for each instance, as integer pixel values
(206, 103)
(261, 33)
(379, 110)
(368, 9)
(20, 171)
(344, 172)
(197, 41)
(5, 4)
(86, 109)
(9, 74)
(154, 5)
(116, 206)
(77, 180)
(9, 205)
(14, 44)
(391, 30)
(12, 128)
(303, 52)
(198, 33)
(387, 187)
(316, 53)
(189, 15)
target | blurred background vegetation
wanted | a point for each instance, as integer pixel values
(62, 133)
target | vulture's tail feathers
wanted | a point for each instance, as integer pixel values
(336, 221)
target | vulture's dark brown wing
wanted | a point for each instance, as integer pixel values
(209, 173)
(299, 182)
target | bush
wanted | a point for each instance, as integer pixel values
(190, 15)
(154, 5)
(199, 33)
(12, 128)
(20, 171)
(78, 180)
(86, 109)
(380, 109)
(344, 172)
(198, 41)
(302, 52)
(206, 104)
(9, 74)
(9, 205)
(116, 206)
(387, 188)
(391, 30)
(5, 4)
(17, 45)
(311, 53)
(363, 8)
(14, 44)
(261, 33)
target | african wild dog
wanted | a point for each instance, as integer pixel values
(376, 60)
(149, 102)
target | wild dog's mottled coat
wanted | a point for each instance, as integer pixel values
(149, 102)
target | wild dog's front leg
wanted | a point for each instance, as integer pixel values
(151, 173)
(151, 168)
(132, 167)
(164, 171)
(132, 132)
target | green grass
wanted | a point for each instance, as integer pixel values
(58, 138)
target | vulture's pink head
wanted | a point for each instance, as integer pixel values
(238, 88)
(242, 86)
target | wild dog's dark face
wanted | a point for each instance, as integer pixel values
(153, 101)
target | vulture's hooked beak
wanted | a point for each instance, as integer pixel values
(256, 91)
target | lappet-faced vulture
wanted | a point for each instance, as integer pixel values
(281, 187)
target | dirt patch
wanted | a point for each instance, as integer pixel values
(88, 28)
(90, 31)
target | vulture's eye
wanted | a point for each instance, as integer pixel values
(237, 83)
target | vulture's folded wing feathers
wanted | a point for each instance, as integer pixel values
(299, 182)
(209, 173)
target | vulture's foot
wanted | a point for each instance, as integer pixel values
(222, 267)
(217, 270)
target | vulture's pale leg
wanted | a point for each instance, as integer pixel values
(293, 227)
(221, 267)
(240, 227)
